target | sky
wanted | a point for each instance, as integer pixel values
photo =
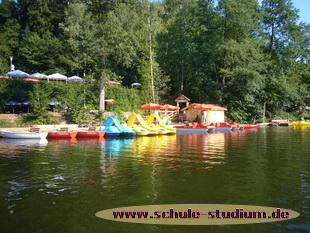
(302, 5)
(304, 9)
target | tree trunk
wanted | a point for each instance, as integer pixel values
(264, 111)
(102, 94)
(151, 52)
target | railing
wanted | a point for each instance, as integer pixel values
(170, 116)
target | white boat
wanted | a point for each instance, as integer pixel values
(223, 129)
(2, 132)
(26, 135)
(192, 130)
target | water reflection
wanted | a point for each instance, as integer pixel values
(11, 146)
(62, 141)
(180, 150)
(76, 178)
(164, 152)
(115, 146)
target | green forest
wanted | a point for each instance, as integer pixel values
(250, 57)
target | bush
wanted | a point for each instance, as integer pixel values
(4, 123)
(282, 115)
(45, 119)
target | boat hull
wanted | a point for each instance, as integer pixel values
(24, 135)
(98, 134)
(193, 130)
(171, 130)
(285, 124)
(141, 132)
(211, 130)
(2, 132)
(110, 131)
(250, 126)
(273, 124)
(223, 129)
(161, 130)
(127, 134)
(109, 134)
(61, 134)
(301, 123)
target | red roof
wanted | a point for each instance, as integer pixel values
(212, 107)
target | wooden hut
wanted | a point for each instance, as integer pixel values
(181, 100)
(206, 113)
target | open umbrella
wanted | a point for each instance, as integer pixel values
(75, 79)
(169, 107)
(111, 102)
(12, 103)
(17, 74)
(37, 76)
(57, 76)
(150, 106)
(135, 84)
(27, 103)
(53, 103)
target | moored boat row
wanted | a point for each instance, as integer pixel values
(112, 128)
(213, 127)
(31, 134)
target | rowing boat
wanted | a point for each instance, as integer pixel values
(24, 135)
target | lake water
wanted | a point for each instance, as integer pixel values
(59, 185)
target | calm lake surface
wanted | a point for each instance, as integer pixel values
(59, 185)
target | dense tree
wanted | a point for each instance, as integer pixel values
(42, 16)
(36, 15)
(241, 61)
(80, 33)
(45, 54)
(286, 49)
(58, 9)
(252, 59)
(178, 46)
(9, 33)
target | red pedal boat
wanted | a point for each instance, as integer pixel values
(62, 133)
(195, 127)
(251, 126)
(90, 134)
